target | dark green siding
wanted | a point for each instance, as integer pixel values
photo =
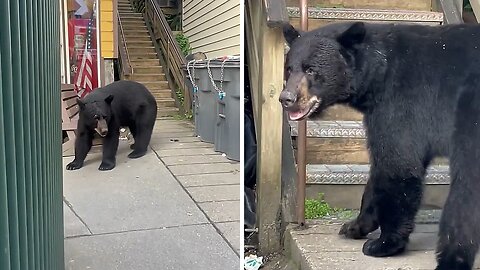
(31, 213)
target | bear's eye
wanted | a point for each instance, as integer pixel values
(310, 71)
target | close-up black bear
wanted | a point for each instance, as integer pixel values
(105, 111)
(418, 88)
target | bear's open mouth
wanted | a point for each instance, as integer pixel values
(305, 111)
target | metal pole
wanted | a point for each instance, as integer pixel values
(302, 138)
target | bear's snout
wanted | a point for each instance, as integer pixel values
(102, 127)
(287, 99)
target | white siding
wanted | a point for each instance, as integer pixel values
(212, 26)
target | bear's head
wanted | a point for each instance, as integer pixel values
(96, 114)
(317, 71)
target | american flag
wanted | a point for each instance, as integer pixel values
(84, 75)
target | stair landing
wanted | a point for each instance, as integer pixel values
(319, 247)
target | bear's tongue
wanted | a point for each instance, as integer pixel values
(294, 116)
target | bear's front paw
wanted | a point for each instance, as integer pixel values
(132, 146)
(384, 246)
(74, 165)
(356, 229)
(106, 166)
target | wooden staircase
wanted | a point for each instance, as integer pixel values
(337, 158)
(144, 60)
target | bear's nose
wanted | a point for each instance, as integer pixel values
(287, 99)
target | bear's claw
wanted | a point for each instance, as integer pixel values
(106, 166)
(74, 165)
(384, 246)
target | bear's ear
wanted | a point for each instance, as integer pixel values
(290, 33)
(353, 35)
(109, 99)
(80, 103)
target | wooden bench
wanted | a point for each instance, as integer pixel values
(69, 118)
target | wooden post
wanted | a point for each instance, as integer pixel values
(267, 46)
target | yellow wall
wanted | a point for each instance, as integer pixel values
(107, 29)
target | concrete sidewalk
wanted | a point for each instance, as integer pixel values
(175, 208)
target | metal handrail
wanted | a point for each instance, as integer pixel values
(128, 69)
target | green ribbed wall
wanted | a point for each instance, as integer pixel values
(31, 214)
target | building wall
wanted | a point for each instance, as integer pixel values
(212, 27)
(107, 29)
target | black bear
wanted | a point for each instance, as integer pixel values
(105, 111)
(418, 88)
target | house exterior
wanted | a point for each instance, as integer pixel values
(212, 27)
(92, 24)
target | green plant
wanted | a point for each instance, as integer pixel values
(318, 208)
(467, 6)
(174, 21)
(138, 5)
(183, 43)
(180, 96)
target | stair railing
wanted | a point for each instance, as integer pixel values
(476, 8)
(125, 64)
(164, 40)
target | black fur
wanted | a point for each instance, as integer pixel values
(121, 104)
(418, 88)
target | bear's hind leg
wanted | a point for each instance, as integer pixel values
(110, 147)
(396, 199)
(133, 130)
(459, 232)
(366, 221)
(83, 144)
(144, 129)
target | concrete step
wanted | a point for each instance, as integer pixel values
(322, 16)
(148, 77)
(337, 142)
(343, 185)
(425, 5)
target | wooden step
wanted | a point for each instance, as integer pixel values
(343, 185)
(165, 102)
(155, 84)
(144, 55)
(321, 16)
(159, 94)
(138, 38)
(425, 5)
(146, 69)
(130, 15)
(148, 77)
(131, 33)
(167, 112)
(337, 142)
(135, 27)
(135, 50)
(139, 43)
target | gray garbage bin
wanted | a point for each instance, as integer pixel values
(217, 103)
(204, 101)
(225, 79)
